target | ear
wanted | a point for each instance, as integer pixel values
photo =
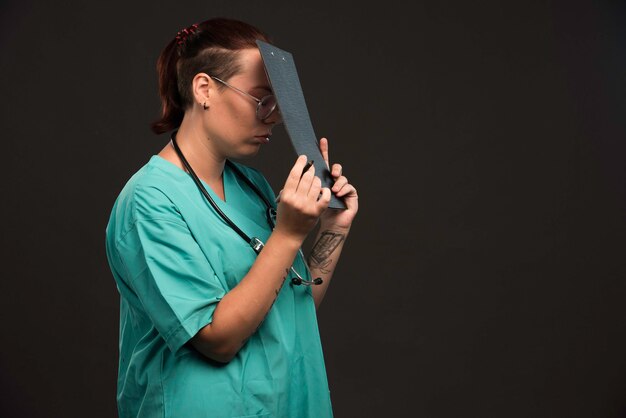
(201, 88)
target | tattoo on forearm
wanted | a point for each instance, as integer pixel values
(281, 286)
(323, 248)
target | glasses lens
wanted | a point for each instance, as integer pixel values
(267, 105)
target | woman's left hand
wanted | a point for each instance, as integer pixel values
(339, 218)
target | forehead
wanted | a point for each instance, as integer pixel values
(251, 65)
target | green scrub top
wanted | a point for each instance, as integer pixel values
(173, 259)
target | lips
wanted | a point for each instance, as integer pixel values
(264, 139)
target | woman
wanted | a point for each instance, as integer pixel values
(211, 325)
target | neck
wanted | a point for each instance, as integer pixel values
(197, 149)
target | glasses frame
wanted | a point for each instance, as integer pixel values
(259, 102)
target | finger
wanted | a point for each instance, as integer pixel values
(324, 200)
(324, 150)
(305, 182)
(339, 183)
(337, 170)
(314, 191)
(294, 175)
(347, 191)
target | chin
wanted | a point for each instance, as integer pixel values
(247, 153)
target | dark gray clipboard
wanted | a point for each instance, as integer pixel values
(283, 77)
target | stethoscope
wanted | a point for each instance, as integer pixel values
(254, 242)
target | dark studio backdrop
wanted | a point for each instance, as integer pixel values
(484, 275)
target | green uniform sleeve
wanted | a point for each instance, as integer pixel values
(166, 269)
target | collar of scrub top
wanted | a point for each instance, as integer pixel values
(254, 242)
(283, 77)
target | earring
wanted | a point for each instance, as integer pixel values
(205, 106)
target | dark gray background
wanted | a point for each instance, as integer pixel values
(484, 276)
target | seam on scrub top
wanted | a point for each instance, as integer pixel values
(136, 221)
(260, 181)
(161, 384)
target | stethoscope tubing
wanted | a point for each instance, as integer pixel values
(206, 194)
(254, 242)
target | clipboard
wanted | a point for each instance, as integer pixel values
(283, 77)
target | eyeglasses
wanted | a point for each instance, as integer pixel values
(265, 106)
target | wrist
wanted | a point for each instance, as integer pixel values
(331, 226)
(292, 241)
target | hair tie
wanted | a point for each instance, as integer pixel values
(182, 35)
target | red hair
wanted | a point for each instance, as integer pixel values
(209, 47)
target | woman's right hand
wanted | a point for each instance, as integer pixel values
(302, 201)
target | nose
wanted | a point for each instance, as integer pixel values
(275, 118)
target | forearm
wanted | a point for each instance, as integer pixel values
(324, 257)
(241, 311)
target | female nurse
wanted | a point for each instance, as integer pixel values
(209, 325)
